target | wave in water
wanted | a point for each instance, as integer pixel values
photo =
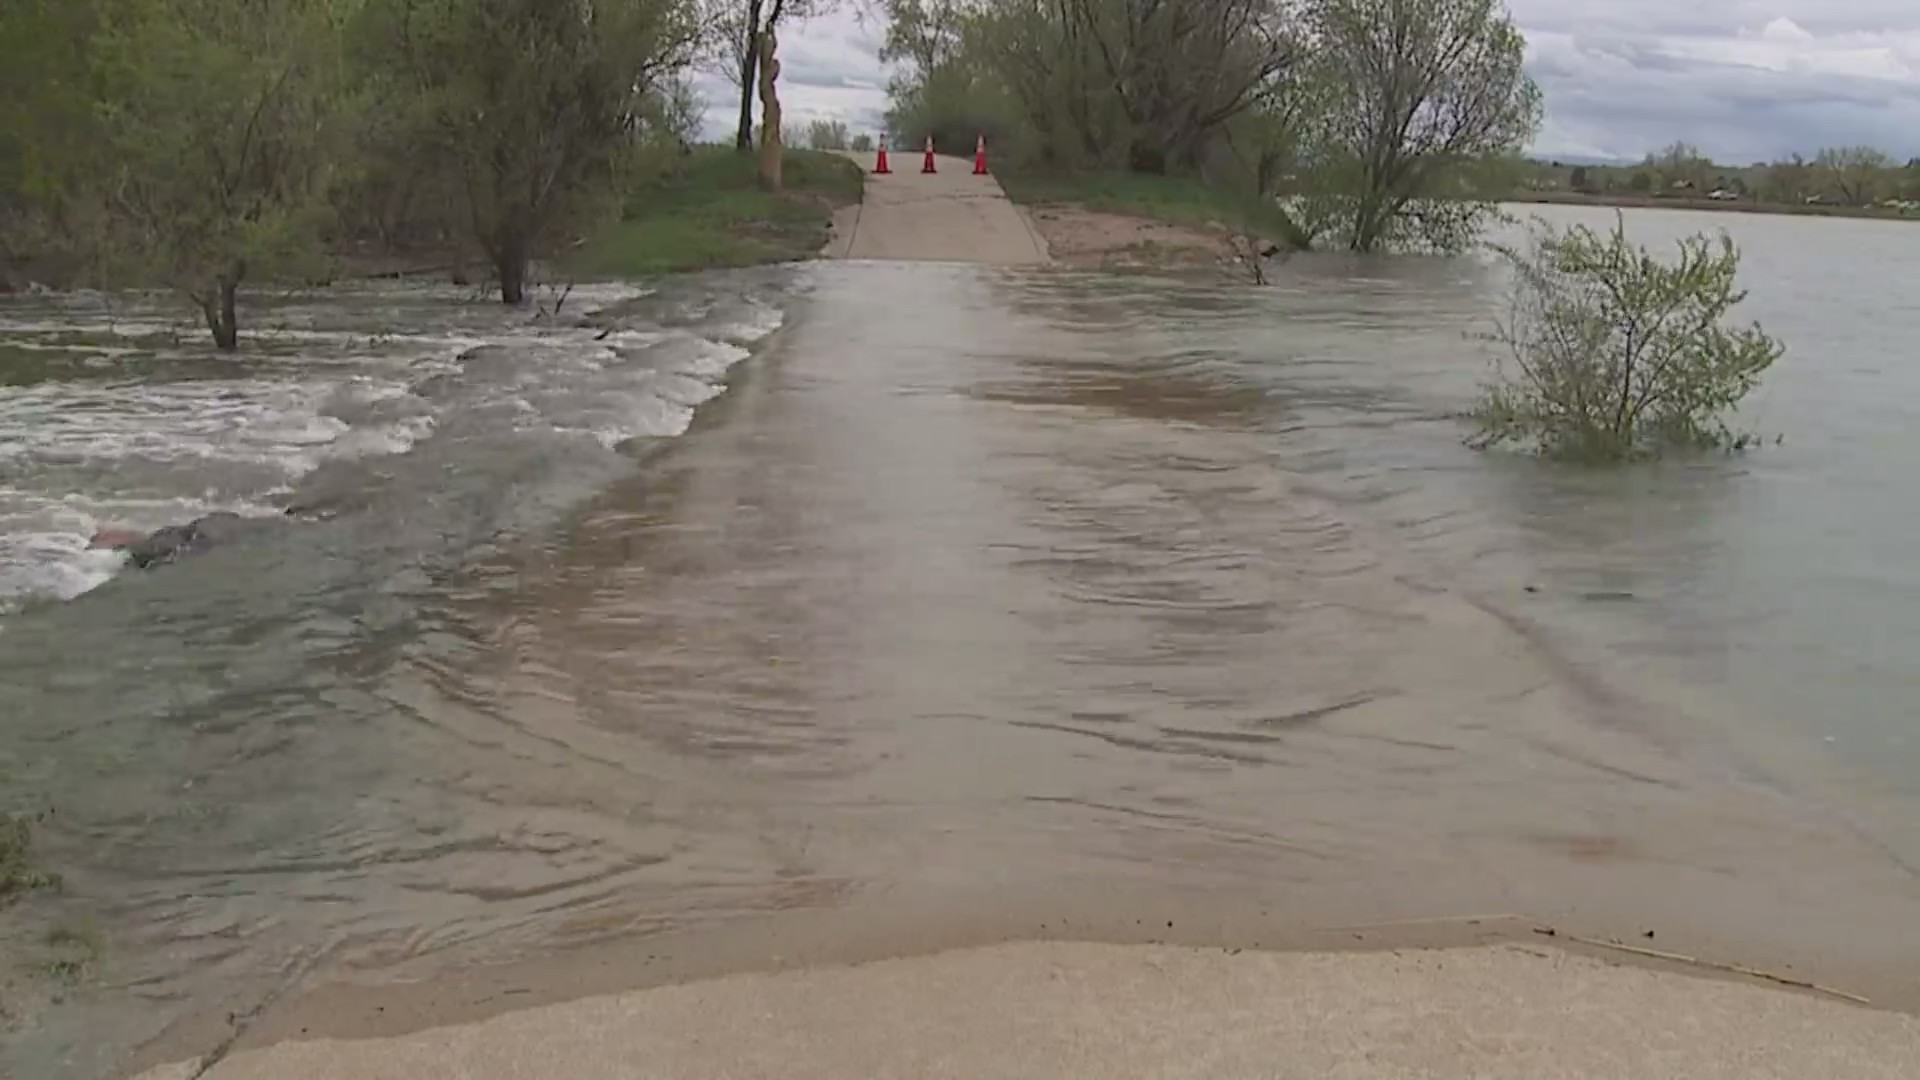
(114, 413)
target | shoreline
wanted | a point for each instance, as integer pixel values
(1559, 1008)
(1649, 202)
(409, 999)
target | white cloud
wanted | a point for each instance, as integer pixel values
(1742, 79)
(1784, 29)
(830, 69)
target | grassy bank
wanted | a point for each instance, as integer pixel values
(710, 212)
(1177, 200)
(1662, 202)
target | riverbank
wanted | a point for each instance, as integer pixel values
(710, 213)
(1733, 206)
(1126, 221)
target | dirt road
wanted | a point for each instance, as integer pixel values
(950, 216)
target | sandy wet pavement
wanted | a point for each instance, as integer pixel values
(950, 215)
(1066, 1010)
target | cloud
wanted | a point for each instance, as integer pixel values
(1742, 79)
(830, 69)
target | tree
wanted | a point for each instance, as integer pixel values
(1143, 84)
(1611, 354)
(924, 33)
(740, 31)
(827, 135)
(1579, 181)
(1788, 182)
(1420, 89)
(1000, 68)
(1856, 175)
(222, 123)
(862, 144)
(1641, 181)
(50, 135)
(1275, 141)
(1680, 165)
(534, 103)
(1179, 69)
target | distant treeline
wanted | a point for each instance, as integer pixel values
(1848, 176)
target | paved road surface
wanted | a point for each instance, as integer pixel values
(951, 215)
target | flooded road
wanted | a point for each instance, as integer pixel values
(1095, 602)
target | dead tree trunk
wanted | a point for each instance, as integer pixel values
(510, 262)
(771, 148)
(218, 306)
(749, 67)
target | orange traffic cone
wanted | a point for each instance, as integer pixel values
(880, 165)
(927, 166)
(980, 156)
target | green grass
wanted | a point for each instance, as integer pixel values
(1180, 200)
(710, 212)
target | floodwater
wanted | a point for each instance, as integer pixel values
(1080, 595)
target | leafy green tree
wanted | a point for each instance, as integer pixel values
(1611, 354)
(534, 104)
(1140, 84)
(222, 124)
(1641, 181)
(50, 137)
(1179, 71)
(1420, 91)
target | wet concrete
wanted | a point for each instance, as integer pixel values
(950, 215)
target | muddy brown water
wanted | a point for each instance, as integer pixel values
(995, 603)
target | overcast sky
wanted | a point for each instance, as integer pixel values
(1742, 79)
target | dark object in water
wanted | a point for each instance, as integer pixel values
(169, 542)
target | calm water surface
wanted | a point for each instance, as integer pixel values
(971, 583)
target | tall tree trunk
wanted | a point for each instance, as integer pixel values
(219, 308)
(749, 68)
(511, 252)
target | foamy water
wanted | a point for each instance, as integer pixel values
(114, 413)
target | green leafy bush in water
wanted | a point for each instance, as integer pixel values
(18, 872)
(1611, 354)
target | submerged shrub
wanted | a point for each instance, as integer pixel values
(1610, 354)
(19, 873)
